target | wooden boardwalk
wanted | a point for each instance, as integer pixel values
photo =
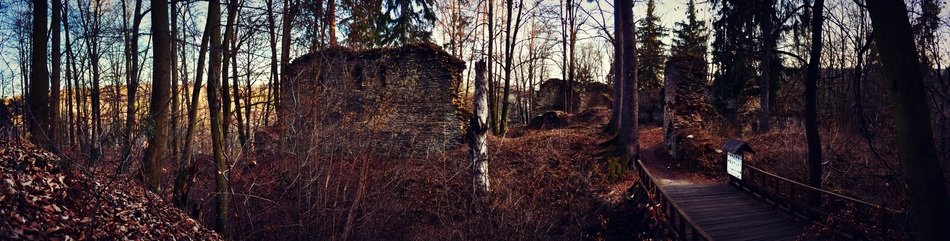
(726, 213)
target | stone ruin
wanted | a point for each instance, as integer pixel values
(551, 95)
(688, 113)
(390, 102)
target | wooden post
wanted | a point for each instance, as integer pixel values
(477, 130)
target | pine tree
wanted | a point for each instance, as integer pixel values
(734, 51)
(690, 35)
(651, 51)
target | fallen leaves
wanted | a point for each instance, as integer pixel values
(39, 201)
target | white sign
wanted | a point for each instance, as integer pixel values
(734, 165)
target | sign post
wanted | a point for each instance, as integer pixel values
(735, 150)
(734, 165)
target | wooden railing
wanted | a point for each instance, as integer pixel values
(794, 197)
(676, 220)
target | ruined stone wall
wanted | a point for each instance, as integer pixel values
(550, 95)
(391, 102)
(687, 108)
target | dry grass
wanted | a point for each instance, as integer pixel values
(547, 185)
(850, 166)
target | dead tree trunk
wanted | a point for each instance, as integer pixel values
(477, 130)
(911, 109)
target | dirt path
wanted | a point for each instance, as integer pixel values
(661, 164)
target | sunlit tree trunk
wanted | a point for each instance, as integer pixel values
(214, 110)
(290, 11)
(158, 106)
(331, 21)
(227, 52)
(188, 168)
(511, 39)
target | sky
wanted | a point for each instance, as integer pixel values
(670, 11)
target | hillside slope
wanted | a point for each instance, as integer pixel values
(39, 200)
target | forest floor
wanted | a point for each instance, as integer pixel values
(546, 185)
(41, 198)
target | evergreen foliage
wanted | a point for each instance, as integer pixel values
(652, 50)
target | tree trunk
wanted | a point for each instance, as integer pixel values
(478, 128)
(70, 90)
(511, 39)
(331, 21)
(158, 106)
(290, 11)
(765, 63)
(492, 105)
(226, 60)
(911, 109)
(628, 128)
(214, 109)
(55, 119)
(274, 75)
(132, 81)
(189, 168)
(236, 94)
(614, 124)
(174, 133)
(38, 100)
(811, 109)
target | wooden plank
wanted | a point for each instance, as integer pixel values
(767, 232)
(727, 213)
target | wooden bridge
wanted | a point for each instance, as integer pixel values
(757, 206)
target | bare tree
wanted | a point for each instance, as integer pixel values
(223, 196)
(38, 97)
(188, 168)
(56, 58)
(159, 105)
(511, 40)
(811, 109)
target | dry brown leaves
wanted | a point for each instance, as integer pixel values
(39, 201)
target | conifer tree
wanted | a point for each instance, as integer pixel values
(652, 51)
(690, 35)
(734, 54)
